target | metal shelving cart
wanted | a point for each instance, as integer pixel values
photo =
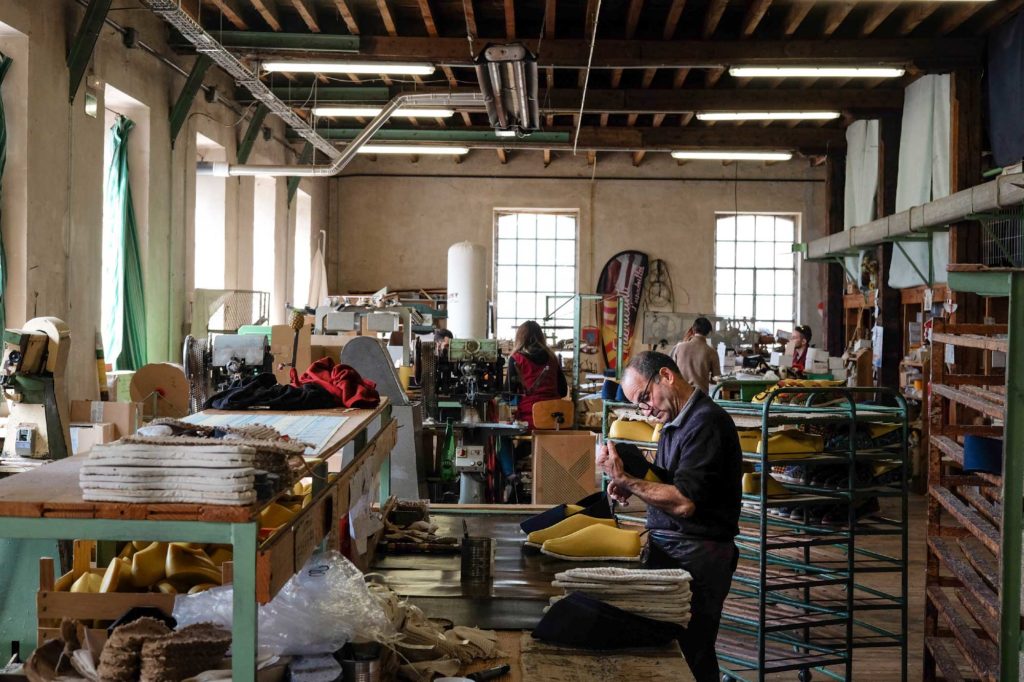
(800, 601)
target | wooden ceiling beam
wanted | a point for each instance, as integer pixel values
(510, 19)
(638, 157)
(547, 158)
(232, 11)
(795, 16)
(957, 16)
(385, 16)
(997, 14)
(268, 10)
(837, 13)
(675, 11)
(588, 33)
(916, 14)
(928, 54)
(716, 9)
(307, 13)
(502, 155)
(755, 12)
(632, 19)
(680, 78)
(347, 16)
(431, 26)
(878, 14)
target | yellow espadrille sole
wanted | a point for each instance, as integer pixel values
(596, 543)
(566, 526)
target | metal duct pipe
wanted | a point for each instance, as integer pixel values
(1004, 192)
(348, 153)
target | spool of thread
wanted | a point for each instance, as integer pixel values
(477, 556)
(609, 389)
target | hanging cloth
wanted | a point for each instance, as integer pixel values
(318, 274)
(123, 300)
(5, 64)
(861, 182)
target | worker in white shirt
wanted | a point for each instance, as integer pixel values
(697, 361)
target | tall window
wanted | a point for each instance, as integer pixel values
(535, 270)
(754, 269)
(209, 235)
(303, 255)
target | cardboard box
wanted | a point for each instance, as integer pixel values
(817, 355)
(282, 343)
(836, 363)
(85, 436)
(127, 417)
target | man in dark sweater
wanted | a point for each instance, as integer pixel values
(694, 517)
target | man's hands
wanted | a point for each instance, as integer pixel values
(609, 462)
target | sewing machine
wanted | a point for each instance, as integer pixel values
(211, 364)
(32, 379)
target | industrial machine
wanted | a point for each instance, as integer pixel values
(32, 377)
(211, 364)
(458, 384)
(340, 315)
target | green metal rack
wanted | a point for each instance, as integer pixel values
(797, 603)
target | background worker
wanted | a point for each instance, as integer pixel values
(798, 345)
(694, 517)
(696, 360)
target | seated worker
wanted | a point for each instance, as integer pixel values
(535, 374)
(798, 345)
(442, 339)
(694, 517)
(697, 361)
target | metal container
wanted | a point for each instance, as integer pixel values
(360, 663)
(477, 559)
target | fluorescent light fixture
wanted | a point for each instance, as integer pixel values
(732, 156)
(415, 150)
(393, 68)
(767, 115)
(373, 111)
(815, 72)
(498, 132)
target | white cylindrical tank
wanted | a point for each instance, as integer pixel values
(467, 291)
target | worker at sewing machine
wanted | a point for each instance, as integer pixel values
(534, 374)
(442, 339)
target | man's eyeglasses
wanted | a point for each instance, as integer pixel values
(643, 400)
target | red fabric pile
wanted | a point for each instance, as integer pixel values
(341, 381)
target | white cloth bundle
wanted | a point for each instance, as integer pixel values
(657, 594)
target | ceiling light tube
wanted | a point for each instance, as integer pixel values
(767, 115)
(815, 72)
(413, 149)
(732, 156)
(391, 68)
(354, 111)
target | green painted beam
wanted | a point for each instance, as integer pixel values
(300, 42)
(84, 42)
(255, 124)
(308, 95)
(990, 283)
(448, 135)
(179, 112)
(293, 181)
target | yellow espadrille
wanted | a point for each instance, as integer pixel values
(629, 429)
(596, 543)
(566, 526)
(752, 486)
(791, 444)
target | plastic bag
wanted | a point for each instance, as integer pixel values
(320, 609)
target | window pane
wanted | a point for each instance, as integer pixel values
(545, 226)
(565, 279)
(744, 281)
(727, 228)
(744, 306)
(785, 230)
(745, 228)
(784, 325)
(725, 255)
(507, 226)
(765, 228)
(724, 281)
(565, 252)
(723, 305)
(527, 226)
(526, 279)
(545, 279)
(783, 258)
(526, 306)
(546, 251)
(784, 307)
(526, 252)
(784, 282)
(506, 278)
(745, 254)
(765, 283)
(765, 257)
(506, 251)
(566, 227)
(765, 307)
(506, 305)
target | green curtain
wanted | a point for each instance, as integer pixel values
(124, 305)
(5, 64)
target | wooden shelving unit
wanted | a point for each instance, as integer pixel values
(966, 607)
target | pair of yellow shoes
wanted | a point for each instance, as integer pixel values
(790, 444)
(585, 538)
(752, 486)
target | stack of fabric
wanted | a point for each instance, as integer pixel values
(219, 473)
(662, 595)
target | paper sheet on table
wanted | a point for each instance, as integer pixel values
(310, 428)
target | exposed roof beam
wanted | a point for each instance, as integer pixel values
(997, 14)
(632, 18)
(638, 157)
(308, 14)
(836, 15)
(232, 11)
(916, 14)
(502, 155)
(672, 20)
(591, 158)
(431, 25)
(795, 16)
(346, 14)
(877, 15)
(714, 15)
(594, 138)
(590, 20)
(385, 16)
(549, 34)
(547, 158)
(755, 12)
(957, 16)
(469, 15)
(268, 10)
(510, 20)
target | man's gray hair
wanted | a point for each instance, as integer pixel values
(649, 363)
